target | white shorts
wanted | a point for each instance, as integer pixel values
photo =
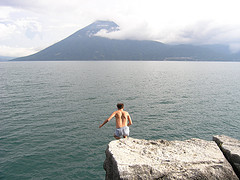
(123, 131)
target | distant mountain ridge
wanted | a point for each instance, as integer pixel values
(85, 45)
(5, 58)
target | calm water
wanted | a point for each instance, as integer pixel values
(50, 111)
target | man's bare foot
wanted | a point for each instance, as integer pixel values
(116, 137)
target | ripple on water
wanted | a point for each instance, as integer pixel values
(51, 111)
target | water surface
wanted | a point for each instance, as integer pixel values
(50, 111)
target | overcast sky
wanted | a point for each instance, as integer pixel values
(27, 26)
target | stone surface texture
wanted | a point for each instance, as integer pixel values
(231, 149)
(160, 159)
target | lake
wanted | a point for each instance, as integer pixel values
(50, 111)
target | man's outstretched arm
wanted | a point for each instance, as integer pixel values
(108, 119)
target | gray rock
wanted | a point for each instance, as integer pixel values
(231, 149)
(147, 159)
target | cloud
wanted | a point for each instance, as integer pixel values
(6, 30)
(14, 3)
(136, 31)
(24, 4)
(28, 27)
(16, 51)
(31, 27)
(176, 22)
(202, 32)
(41, 23)
(234, 47)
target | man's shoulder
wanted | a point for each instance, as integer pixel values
(116, 112)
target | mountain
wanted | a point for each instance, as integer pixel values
(85, 45)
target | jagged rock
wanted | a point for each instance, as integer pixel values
(231, 149)
(160, 159)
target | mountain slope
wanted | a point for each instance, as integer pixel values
(84, 45)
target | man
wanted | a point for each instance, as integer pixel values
(123, 120)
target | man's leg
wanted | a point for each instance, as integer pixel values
(125, 132)
(118, 133)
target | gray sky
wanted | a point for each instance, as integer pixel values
(27, 26)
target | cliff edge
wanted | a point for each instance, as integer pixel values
(231, 149)
(160, 159)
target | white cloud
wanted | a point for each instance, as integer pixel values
(13, 30)
(4, 12)
(29, 26)
(40, 23)
(6, 30)
(235, 47)
(16, 51)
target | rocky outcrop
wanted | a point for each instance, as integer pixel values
(231, 149)
(160, 159)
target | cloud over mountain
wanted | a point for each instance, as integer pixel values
(86, 44)
(174, 21)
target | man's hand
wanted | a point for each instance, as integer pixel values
(104, 123)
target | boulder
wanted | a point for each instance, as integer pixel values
(160, 159)
(231, 149)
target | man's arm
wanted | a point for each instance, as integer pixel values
(108, 119)
(129, 120)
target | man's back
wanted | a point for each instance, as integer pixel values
(121, 118)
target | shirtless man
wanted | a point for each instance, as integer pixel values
(123, 120)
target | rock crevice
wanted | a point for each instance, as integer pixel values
(231, 150)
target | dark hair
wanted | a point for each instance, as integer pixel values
(120, 105)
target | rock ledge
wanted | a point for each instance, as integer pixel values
(231, 149)
(160, 159)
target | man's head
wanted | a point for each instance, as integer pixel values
(120, 105)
